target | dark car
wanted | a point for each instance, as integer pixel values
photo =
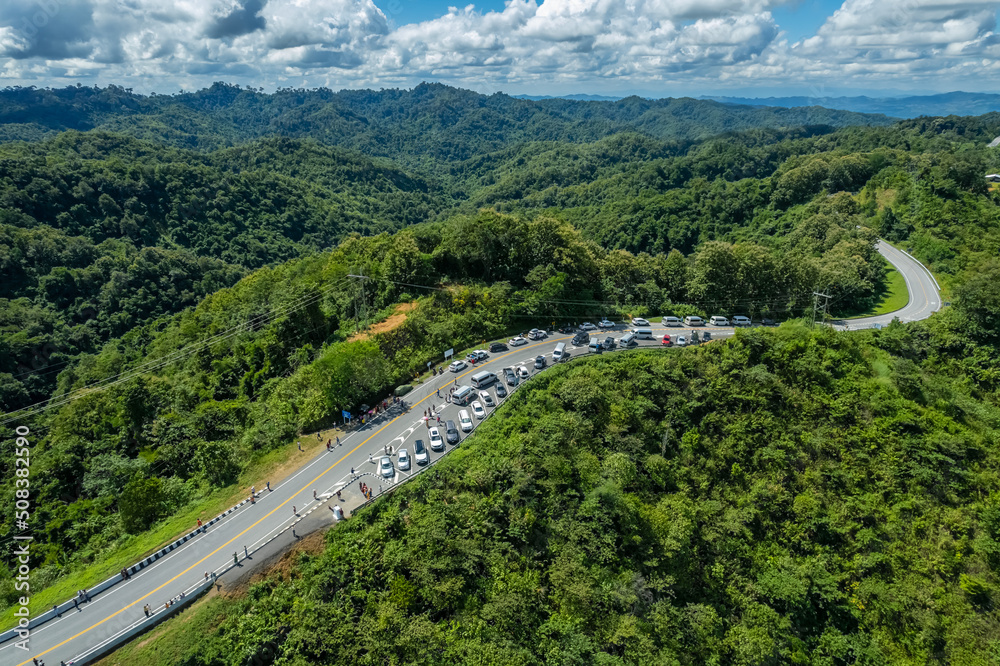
(767, 321)
(706, 336)
(497, 347)
(609, 343)
(501, 391)
(451, 432)
(539, 362)
(581, 339)
(510, 376)
(567, 328)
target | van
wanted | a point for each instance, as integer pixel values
(644, 333)
(628, 340)
(694, 321)
(595, 345)
(465, 421)
(483, 379)
(560, 353)
(462, 395)
(740, 320)
(717, 320)
(671, 321)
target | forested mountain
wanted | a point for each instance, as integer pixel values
(430, 123)
(181, 217)
(944, 104)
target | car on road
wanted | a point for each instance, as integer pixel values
(451, 432)
(487, 399)
(667, 341)
(539, 362)
(587, 326)
(510, 376)
(718, 320)
(604, 323)
(609, 343)
(535, 334)
(741, 320)
(437, 444)
(477, 409)
(403, 459)
(465, 421)
(385, 467)
(517, 341)
(458, 366)
(420, 453)
(501, 391)
(522, 372)
(681, 341)
(639, 321)
(481, 355)
(581, 339)
(767, 321)
(498, 347)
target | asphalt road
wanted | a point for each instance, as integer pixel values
(267, 524)
(925, 298)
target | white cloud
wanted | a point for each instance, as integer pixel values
(699, 45)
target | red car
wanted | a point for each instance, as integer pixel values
(667, 342)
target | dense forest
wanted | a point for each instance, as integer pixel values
(208, 237)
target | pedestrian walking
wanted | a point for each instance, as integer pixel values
(268, 486)
(338, 440)
(199, 522)
(328, 445)
(236, 559)
(370, 458)
(300, 445)
(294, 510)
(352, 471)
(76, 604)
(145, 609)
(314, 493)
(206, 575)
(245, 553)
(439, 393)
(319, 437)
(253, 490)
(86, 595)
(439, 419)
(338, 494)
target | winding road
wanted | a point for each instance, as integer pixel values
(269, 526)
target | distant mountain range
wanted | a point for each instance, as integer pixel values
(945, 104)
(579, 97)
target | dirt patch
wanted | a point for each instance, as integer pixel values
(394, 321)
(277, 567)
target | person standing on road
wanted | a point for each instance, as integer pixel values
(294, 510)
(236, 559)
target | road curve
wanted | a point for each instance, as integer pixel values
(267, 525)
(925, 297)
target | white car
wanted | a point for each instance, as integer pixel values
(681, 341)
(458, 366)
(487, 398)
(420, 452)
(403, 459)
(465, 421)
(587, 326)
(477, 409)
(522, 372)
(604, 323)
(385, 468)
(517, 342)
(639, 321)
(437, 444)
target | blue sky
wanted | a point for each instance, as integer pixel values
(611, 47)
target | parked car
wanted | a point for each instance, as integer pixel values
(535, 334)
(639, 321)
(451, 432)
(517, 341)
(510, 376)
(385, 467)
(767, 321)
(403, 458)
(498, 347)
(587, 326)
(609, 343)
(465, 421)
(437, 444)
(481, 355)
(458, 366)
(741, 320)
(471, 357)
(522, 372)
(604, 323)
(718, 320)
(420, 453)
(501, 391)
(581, 339)
(567, 328)
(540, 362)
(666, 341)
(477, 409)
(487, 399)
(681, 341)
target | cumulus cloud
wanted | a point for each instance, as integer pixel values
(644, 44)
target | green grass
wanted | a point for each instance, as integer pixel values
(166, 531)
(895, 297)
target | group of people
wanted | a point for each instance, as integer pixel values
(365, 490)
(125, 573)
(81, 596)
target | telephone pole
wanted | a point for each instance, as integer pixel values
(826, 304)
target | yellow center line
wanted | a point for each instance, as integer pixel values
(268, 515)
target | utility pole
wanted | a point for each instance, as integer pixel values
(826, 304)
(363, 304)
